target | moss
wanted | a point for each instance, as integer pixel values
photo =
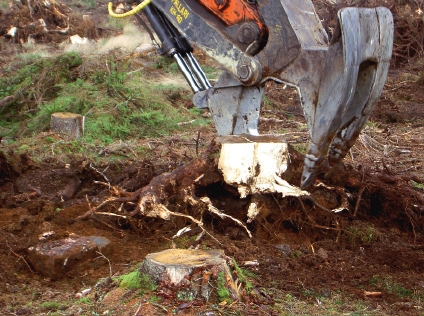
(223, 293)
(242, 277)
(131, 280)
(240, 273)
(83, 300)
(147, 283)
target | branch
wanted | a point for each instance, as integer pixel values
(6, 100)
(20, 257)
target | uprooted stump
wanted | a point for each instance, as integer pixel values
(208, 186)
(248, 167)
(190, 274)
(250, 164)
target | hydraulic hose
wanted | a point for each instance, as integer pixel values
(137, 9)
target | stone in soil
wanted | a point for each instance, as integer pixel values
(58, 258)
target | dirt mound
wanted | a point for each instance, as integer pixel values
(11, 166)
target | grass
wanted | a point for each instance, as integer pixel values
(50, 305)
(115, 106)
(359, 235)
(389, 284)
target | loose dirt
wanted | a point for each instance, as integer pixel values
(367, 260)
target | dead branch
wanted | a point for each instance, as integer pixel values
(20, 257)
(6, 100)
(104, 257)
(358, 200)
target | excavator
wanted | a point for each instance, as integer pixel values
(339, 79)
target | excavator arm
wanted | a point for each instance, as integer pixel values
(339, 79)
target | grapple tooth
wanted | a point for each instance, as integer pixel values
(345, 100)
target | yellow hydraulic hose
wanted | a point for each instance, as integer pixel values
(133, 11)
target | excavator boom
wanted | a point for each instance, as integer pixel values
(339, 79)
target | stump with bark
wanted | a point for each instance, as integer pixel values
(190, 274)
(67, 123)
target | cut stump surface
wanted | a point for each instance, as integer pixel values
(67, 123)
(193, 273)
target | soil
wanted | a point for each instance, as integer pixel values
(368, 259)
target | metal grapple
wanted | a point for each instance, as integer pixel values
(338, 79)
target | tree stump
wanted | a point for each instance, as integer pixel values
(190, 274)
(256, 165)
(67, 123)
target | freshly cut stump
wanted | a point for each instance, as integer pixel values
(67, 123)
(190, 274)
(254, 165)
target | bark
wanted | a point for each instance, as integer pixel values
(67, 123)
(190, 274)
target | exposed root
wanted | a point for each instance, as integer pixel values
(215, 211)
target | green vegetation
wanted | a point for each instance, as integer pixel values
(115, 106)
(84, 300)
(183, 242)
(296, 254)
(131, 280)
(223, 293)
(147, 283)
(243, 277)
(301, 147)
(418, 185)
(360, 235)
(50, 305)
(390, 285)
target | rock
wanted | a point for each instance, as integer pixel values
(192, 273)
(57, 258)
(322, 253)
(284, 249)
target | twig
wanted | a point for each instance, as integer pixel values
(139, 307)
(283, 88)
(186, 123)
(132, 150)
(399, 86)
(158, 305)
(101, 173)
(6, 99)
(58, 142)
(107, 66)
(103, 256)
(358, 200)
(20, 257)
(111, 214)
(197, 144)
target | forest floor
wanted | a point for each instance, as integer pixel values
(366, 260)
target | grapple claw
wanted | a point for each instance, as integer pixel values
(340, 84)
(339, 80)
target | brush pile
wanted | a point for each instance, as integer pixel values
(47, 21)
(409, 23)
